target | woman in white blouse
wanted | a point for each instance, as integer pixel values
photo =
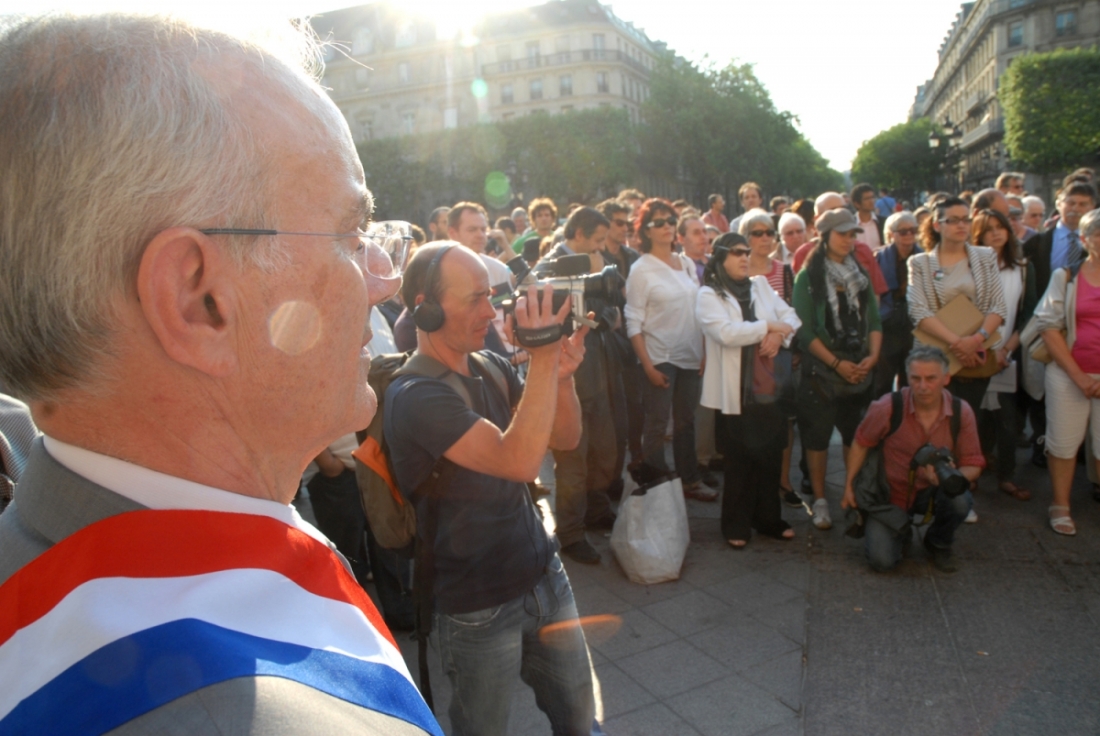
(660, 321)
(745, 324)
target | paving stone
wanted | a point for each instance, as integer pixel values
(619, 693)
(689, 613)
(743, 643)
(752, 591)
(787, 618)
(732, 706)
(672, 668)
(652, 720)
(637, 633)
(782, 677)
(790, 727)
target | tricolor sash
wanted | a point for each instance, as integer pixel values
(141, 608)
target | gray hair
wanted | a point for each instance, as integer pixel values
(755, 216)
(110, 132)
(926, 354)
(1032, 199)
(1090, 224)
(788, 217)
(896, 220)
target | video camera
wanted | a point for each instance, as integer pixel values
(951, 480)
(570, 279)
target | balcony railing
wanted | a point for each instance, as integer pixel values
(562, 58)
(983, 131)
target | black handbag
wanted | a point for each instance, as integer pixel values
(830, 384)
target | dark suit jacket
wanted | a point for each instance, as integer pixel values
(1037, 250)
(53, 502)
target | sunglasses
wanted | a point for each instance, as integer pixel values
(905, 231)
(741, 252)
(662, 221)
(620, 223)
(762, 233)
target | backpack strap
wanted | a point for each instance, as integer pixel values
(788, 283)
(897, 412)
(956, 420)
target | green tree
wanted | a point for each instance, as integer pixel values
(1051, 106)
(900, 158)
(711, 129)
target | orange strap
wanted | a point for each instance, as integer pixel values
(370, 454)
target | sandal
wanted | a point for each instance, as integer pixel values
(1062, 524)
(1020, 494)
(787, 535)
(737, 544)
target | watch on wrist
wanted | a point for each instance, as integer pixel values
(984, 333)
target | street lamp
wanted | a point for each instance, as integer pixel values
(951, 135)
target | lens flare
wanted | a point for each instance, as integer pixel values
(295, 327)
(498, 189)
(479, 88)
(597, 629)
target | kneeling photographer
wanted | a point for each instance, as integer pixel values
(583, 475)
(922, 452)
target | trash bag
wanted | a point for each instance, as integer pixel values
(650, 536)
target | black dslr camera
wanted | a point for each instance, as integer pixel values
(951, 480)
(570, 279)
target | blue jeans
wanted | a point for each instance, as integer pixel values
(483, 652)
(680, 397)
(884, 546)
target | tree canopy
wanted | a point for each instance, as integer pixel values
(900, 159)
(1051, 106)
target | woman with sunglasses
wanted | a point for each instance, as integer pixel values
(840, 337)
(950, 266)
(900, 232)
(660, 321)
(997, 418)
(745, 323)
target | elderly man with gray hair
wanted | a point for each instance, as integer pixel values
(185, 305)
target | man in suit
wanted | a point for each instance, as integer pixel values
(208, 196)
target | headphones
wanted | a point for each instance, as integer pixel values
(428, 315)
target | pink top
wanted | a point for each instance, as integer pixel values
(1086, 346)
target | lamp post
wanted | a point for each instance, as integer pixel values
(949, 137)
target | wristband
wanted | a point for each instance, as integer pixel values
(536, 337)
(836, 362)
(984, 333)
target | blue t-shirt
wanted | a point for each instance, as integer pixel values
(490, 546)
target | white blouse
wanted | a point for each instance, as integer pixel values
(660, 306)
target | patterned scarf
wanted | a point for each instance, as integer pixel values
(844, 276)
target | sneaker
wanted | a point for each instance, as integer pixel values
(971, 517)
(792, 499)
(821, 514)
(942, 559)
(708, 477)
(699, 493)
(582, 552)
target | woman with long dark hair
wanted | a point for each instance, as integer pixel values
(660, 321)
(745, 325)
(841, 337)
(997, 417)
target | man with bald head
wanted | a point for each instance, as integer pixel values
(465, 417)
(210, 198)
(989, 199)
(863, 253)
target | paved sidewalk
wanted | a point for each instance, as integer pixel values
(801, 637)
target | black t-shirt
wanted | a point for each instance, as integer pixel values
(490, 545)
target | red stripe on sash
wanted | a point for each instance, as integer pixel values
(172, 543)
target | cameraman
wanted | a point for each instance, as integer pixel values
(583, 475)
(927, 420)
(497, 575)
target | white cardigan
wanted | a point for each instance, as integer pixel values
(725, 333)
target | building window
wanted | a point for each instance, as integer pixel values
(598, 41)
(364, 128)
(561, 47)
(601, 82)
(1016, 34)
(536, 89)
(565, 85)
(403, 72)
(408, 123)
(406, 35)
(533, 52)
(363, 43)
(362, 77)
(504, 58)
(506, 95)
(450, 118)
(1065, 23)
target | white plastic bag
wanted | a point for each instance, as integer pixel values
(651, 535)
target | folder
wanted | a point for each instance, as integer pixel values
(961, 317)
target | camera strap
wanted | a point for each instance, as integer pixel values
(536, 337)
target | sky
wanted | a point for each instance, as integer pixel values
(847, 69)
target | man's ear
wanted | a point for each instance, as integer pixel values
(185, 286)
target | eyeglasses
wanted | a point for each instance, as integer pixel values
(391, 237)
(955, 220)
(662, 221)
(741, 252)
(762, 233)
(620, 223)
(905, 231)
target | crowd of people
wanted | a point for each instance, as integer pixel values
(218, 341)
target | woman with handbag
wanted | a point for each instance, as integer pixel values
(997, 417)
(747, 328)
(840, 337)
(1068, 318)
(950, 267)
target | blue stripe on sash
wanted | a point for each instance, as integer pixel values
(139, 673)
